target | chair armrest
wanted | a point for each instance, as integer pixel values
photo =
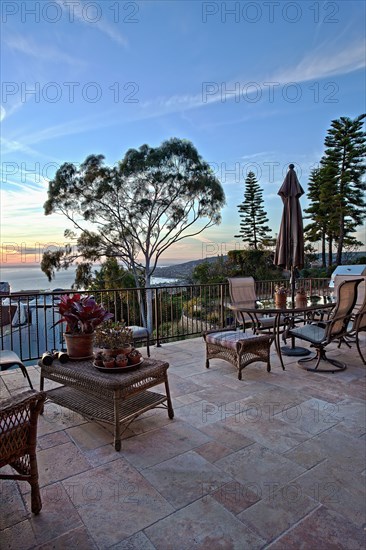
(21, 400)
(212, 331)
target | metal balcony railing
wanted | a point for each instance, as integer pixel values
(27, 320)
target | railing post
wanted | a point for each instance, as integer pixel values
(222, 306)
(157, 317)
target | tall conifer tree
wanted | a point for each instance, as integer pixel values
(253, 217)
(323, 212)
(343, 165)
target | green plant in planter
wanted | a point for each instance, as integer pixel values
(113, 335)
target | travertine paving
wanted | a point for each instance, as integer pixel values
(274, 461)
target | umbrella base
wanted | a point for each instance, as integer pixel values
(296, 351)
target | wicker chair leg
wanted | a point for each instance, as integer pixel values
(36, 502)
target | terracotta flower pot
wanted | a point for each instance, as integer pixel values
(112, 352)
(79, 346)
(134, 357)
(121, 360)
(109, 363)
(127, 348)
(280, 300)
(98, 359)
(300, 300)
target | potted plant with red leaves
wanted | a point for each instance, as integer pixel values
(82, 315)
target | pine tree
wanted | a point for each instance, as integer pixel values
(323, 212)
(343, 170)
(253, 217)
(316, 231)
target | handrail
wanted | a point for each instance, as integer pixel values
(178, 312)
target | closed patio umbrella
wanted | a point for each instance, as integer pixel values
(289, 252)
(290, 242)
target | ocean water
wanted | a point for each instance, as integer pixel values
(32, 278)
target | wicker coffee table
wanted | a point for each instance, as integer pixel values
(113, 398)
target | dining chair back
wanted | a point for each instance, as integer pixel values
(242, 292)
(321, 334)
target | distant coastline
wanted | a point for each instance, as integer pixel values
(30, 277)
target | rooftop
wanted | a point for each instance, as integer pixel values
(276, 461)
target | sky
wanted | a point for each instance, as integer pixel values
(253, 85)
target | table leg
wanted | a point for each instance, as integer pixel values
(277, 329)
(169, 401)
(117, 425)
(41, 388)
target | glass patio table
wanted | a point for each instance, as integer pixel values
(283, 317)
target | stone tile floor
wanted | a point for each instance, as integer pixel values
(274, 461)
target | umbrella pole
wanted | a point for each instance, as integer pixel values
(293, 350)
(292, 287)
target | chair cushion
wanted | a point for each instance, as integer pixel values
(266, 322)
(228, 339)
(139, 332)
(310, 333)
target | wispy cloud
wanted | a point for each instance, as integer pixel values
(319, 64)
(9, 146)
(313, 66)
(102, 25)
(28, 46)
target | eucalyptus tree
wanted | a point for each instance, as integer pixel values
(253, 216)
(153, 199)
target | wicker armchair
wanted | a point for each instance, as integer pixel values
(18, 438)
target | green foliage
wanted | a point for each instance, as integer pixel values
(253, 217)
(212, 272)
(168, 331)
(343, 166)
(213, 317)
(322, 211)
(111, 276)
(152, 199)
(253, 263)
(112, 334)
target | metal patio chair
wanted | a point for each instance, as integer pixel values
(9, 359)
(321, 334)
(242, 293)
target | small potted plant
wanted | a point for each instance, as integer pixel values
(121, 360)
(134, 357)
(82, 315)
(108, 361)
(300, 298)
(113, 338)
(98, 359)
(280, 296)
